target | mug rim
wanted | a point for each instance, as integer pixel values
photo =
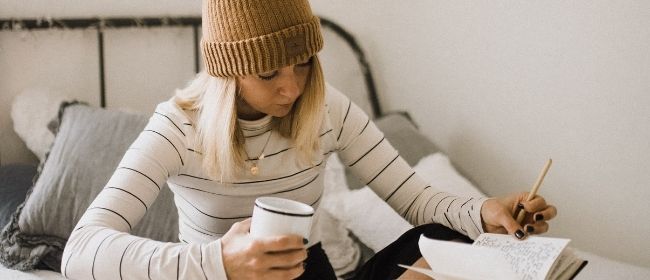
(302, 209)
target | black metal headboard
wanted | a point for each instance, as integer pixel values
(195, 22)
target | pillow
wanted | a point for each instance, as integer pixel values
(31, 111)
(343, 251)
(438, 170)
(86, 150)
(405, 138)
(384, 225)
(15, 180)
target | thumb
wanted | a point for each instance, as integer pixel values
(509, 223)
(243, 226)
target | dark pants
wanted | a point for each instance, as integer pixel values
(382, 265)
(317, 265)
(404, 250)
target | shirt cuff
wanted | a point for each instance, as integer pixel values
(473, 221)
(213, 250)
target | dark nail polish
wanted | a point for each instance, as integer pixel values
(305, 241)
(519, 234)
(539, 217)
(520, 206)
(530, 229)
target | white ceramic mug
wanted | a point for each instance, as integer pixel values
(273, 216)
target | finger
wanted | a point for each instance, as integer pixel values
(536, 228)
(512, 226)
(500, 230)
(286, 259)
(549, 213)
(536, 204)
(279, 243)
(242, 226)
(286, 273)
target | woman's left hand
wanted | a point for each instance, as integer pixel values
(498, 215)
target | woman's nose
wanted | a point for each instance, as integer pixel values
(290, 85)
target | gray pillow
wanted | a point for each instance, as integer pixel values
(87, 148)
(15, 180)
(402, 133)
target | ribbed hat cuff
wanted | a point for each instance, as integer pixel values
(263, 53)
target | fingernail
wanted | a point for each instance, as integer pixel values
(520, 206)
(530, 228)
(305, 241)
(519, 234)
(539, 217)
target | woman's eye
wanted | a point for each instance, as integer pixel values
(268, 76)
(306, 63)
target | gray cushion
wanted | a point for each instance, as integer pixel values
(15, 181)
(87, 148)
(400, 131)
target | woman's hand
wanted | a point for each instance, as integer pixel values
(497, 215)
(268, 258)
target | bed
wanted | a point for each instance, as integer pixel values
(38, 209)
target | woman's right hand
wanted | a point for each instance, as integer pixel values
(278, 257)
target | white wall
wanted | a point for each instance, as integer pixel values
(503, 85)
(85, 8)
(142, 67)
(499, 85)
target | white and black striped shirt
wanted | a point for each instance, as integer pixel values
(101, 247)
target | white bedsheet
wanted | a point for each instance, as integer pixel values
(10, 274)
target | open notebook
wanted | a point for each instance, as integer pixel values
(500, 256)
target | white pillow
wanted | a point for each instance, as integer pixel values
(441, 174)
(31, 111)
(343, 253)
(373, 221)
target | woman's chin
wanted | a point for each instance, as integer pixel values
(282, 111)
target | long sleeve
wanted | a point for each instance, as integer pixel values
(363, 148)
(100, 246)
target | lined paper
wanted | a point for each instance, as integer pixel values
(531, 258)
(493, 256)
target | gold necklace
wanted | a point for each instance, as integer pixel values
(254, 168)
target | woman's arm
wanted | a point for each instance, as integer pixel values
(363, 148)
(100, 246)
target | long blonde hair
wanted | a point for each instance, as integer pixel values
(219, 135)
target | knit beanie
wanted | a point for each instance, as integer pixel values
(243, 37)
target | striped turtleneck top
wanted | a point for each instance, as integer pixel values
(100, 246)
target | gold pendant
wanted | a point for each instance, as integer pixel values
(254, 169)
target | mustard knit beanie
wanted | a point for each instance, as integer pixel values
(243, 37)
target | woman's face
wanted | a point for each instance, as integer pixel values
(272, 93)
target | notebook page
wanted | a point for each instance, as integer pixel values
(568, 270)
(530, 259)
(464, 261)
(566, 259)
(571, 270)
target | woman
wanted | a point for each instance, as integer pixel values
(260, 122)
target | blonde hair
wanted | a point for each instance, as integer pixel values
(219, 135)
